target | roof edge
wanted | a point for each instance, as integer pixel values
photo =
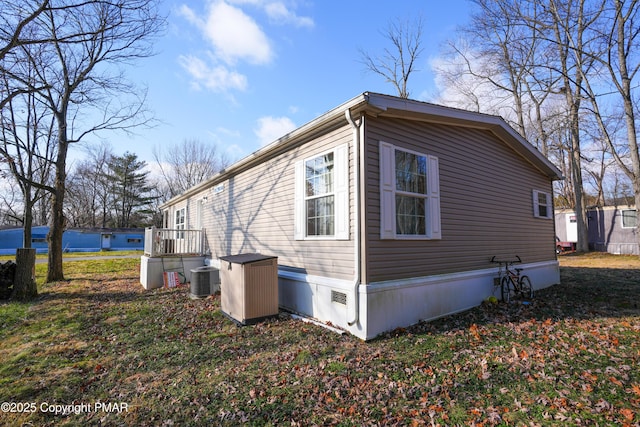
(281, 144)
(394, 106)
(385, 106)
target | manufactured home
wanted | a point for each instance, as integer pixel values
(382, 212)
(612, 229)
(74, 239)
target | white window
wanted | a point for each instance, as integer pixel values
(199, 213)
(542, 207)
(180, 222)
(165, 219)
(409, 194)
(322, 196)
(629, 218)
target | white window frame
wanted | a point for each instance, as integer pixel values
(622, 211)
(340, 193)
(165, 218)
(200, 212)
(536, 204)
(180, 225)
(388, 191)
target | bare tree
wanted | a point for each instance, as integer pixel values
(618, 56)
(501, 55)
(493, 68)
(27, 147)
(569, 22)
(556, 125)
(187, 164)
(11, 213)
(397, 62)
(14, 18)
(88, 189)
(80, 70)
(618, 189)
(553, 56)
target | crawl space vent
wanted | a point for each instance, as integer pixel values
(339, 297)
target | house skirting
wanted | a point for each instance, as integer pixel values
(151, 268)
(384, 306)
(617, 248)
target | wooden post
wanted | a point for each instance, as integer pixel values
(24, 285)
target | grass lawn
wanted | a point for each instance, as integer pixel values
(70, 255)
(111, 353)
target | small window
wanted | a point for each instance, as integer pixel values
(165, 219)
(629, 218)
(180, 222)
(542, 207)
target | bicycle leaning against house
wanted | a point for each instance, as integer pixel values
(512, 283)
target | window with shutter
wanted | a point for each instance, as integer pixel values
(542, 207)
(409, 194)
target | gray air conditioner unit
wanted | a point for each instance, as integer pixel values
(205, 281)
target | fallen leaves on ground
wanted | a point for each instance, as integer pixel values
(569, 357)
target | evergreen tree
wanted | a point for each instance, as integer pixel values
(131, 195)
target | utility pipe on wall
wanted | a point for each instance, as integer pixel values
(356, 124)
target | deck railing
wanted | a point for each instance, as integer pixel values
(166, 242)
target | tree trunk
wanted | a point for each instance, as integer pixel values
(571, 60)
(54, 238)
(24, 285)
(28, 220)
(576, 170)
(629, 107)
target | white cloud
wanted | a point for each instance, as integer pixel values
(189, 14)
(279, 13)
(228, 132)
(216, 78)
(233, 34)
(456, 87)
(234, 152)
(259, 3)
(271, 128)
(155, 170)
(234, 37)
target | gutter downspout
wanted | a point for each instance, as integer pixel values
(356, 238)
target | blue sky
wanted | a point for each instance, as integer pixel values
(241, 73)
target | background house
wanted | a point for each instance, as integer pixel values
(382, 212)
(612, 229)
(75, 239)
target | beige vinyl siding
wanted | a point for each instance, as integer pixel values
(255, 213)
(486, 203)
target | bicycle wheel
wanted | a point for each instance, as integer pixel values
(506, 285)
(526, 289)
